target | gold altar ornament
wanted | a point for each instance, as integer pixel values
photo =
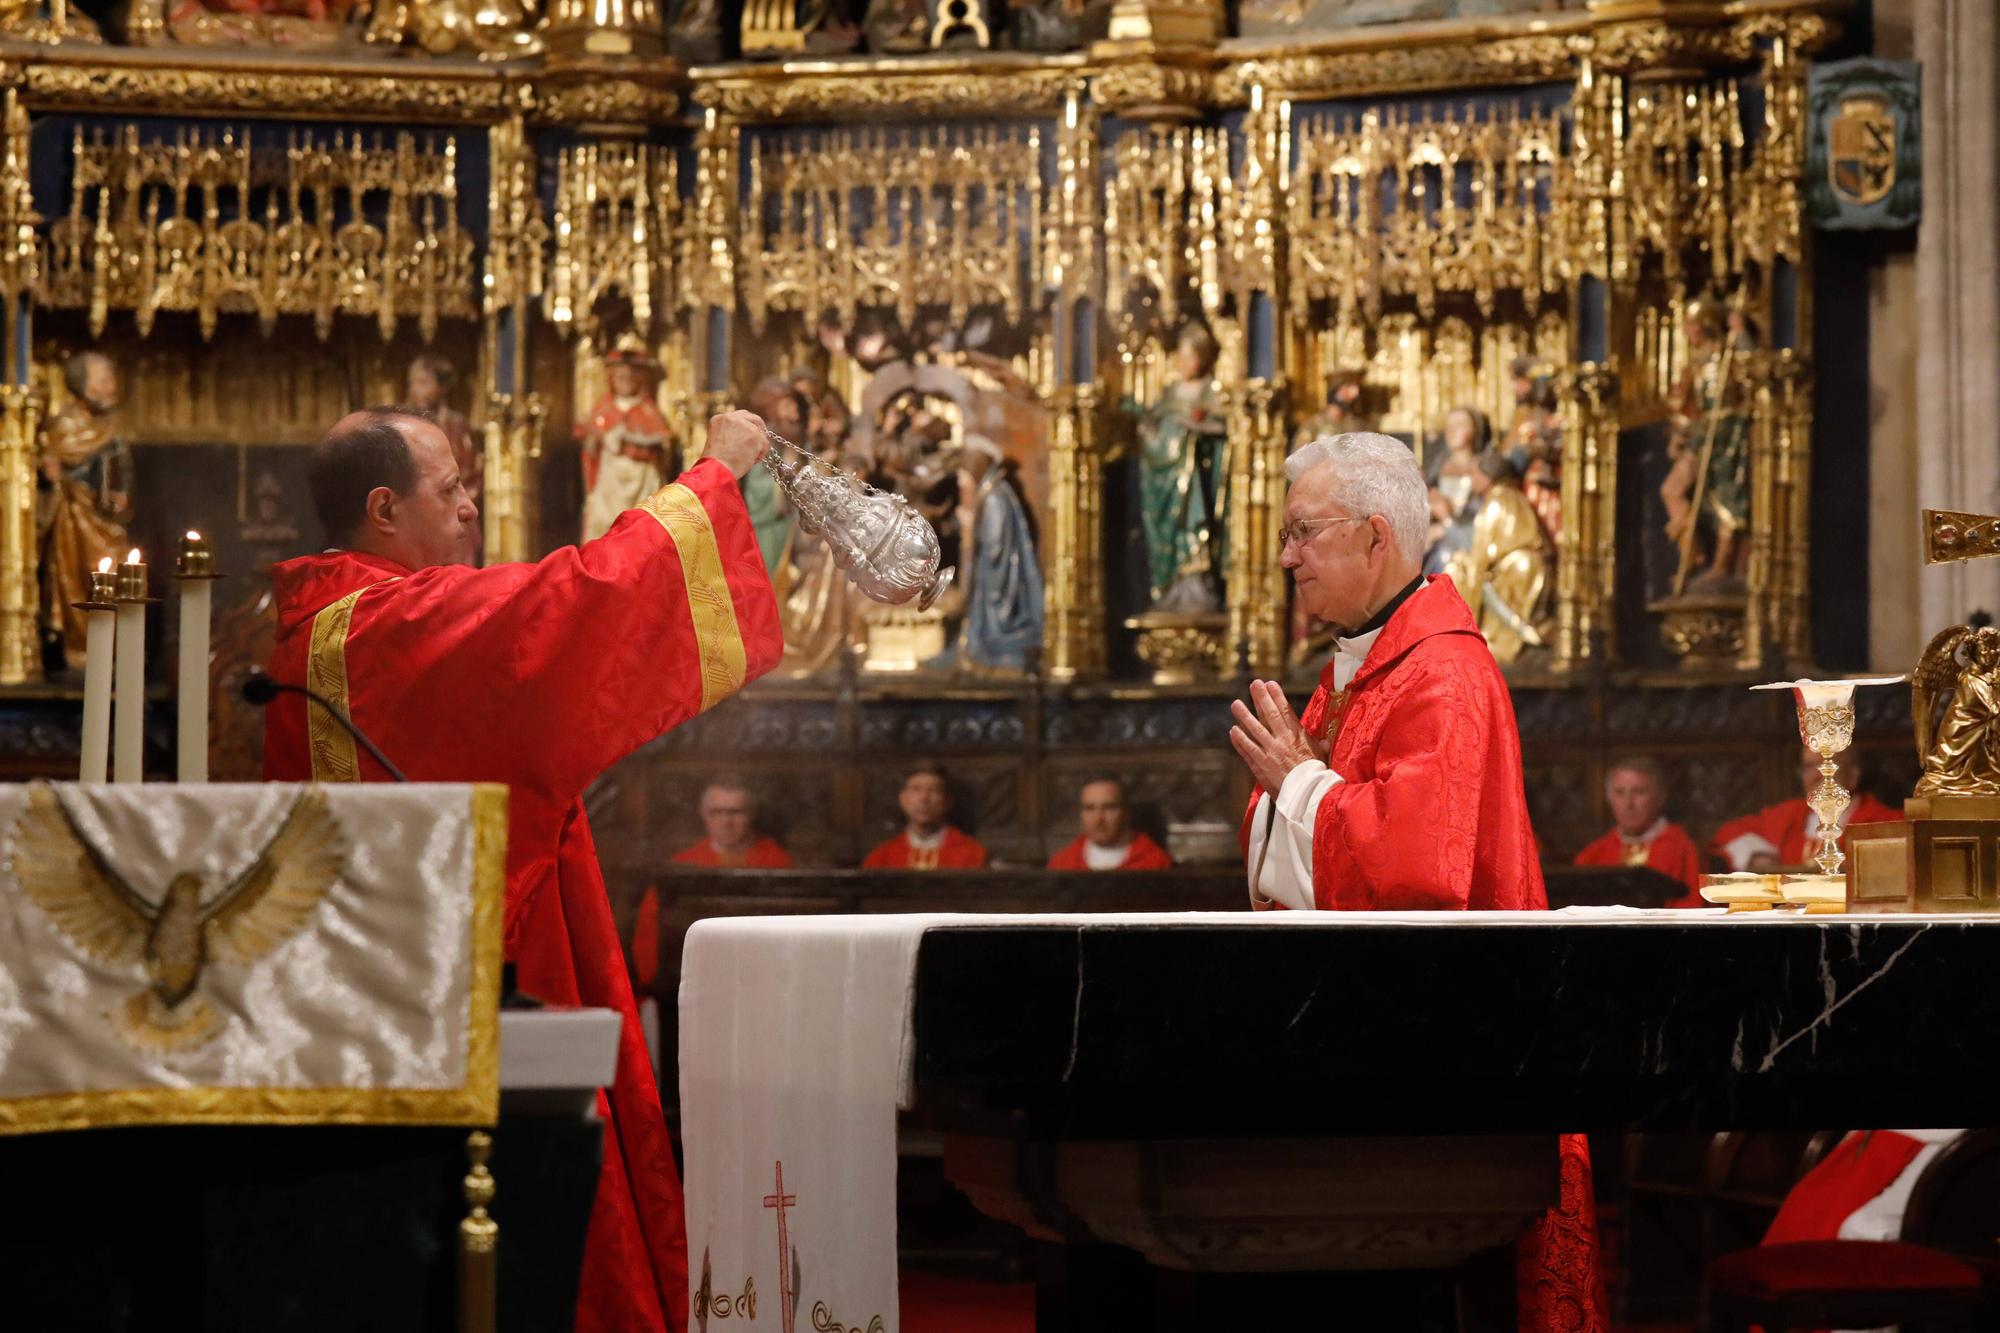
(1955, 705)
(208, 223)
(1826, 726)
(1951, 535)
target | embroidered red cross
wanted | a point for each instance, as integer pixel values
(786, 1296)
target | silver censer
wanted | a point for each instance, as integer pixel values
(885, 547)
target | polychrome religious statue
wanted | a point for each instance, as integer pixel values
(1003, 599)
(85, 497)
(428, 386)
(309, 24)
(1503, 573)
(1344, 410)
(1707, 488)
(1451, 472)
(629, 451)
(1183, 475)
(1535, 440)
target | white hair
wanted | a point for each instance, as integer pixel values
(1373, 474)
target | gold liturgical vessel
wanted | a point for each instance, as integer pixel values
(1826, 726)
(1946, 856)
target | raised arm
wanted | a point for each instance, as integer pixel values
(552, 671)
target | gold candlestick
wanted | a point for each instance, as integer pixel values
(196, 559)
(1826, 726)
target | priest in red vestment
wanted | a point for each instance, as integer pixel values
(729, 819)
(538, 676)
(1641, 834)
(927, 842)
(1108, 840)
(1400, 788)
(1787, 834)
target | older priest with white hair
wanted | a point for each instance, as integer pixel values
(1400, 787)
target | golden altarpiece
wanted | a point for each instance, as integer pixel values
(1074, 277)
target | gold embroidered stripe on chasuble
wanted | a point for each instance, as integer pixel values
(332, 749)
(718, 642)
(250, 954)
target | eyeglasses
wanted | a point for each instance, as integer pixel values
(1301, 531)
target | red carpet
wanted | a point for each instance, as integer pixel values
(934, 1304)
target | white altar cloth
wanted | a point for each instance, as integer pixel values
(796, 1051)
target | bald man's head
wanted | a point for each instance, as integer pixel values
(384, 481)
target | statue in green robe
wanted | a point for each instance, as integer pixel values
(1183, 474)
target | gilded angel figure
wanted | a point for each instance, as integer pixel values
(1956, 702)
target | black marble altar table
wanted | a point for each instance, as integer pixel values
(1266, 1116)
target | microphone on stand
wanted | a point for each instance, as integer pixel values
(260, 689)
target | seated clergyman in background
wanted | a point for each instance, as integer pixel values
(1787, 834)
(1108, 840)
(1401, 786)
(927, 842)
(1641, 835)
(729, 818)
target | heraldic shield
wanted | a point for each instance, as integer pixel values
(1861, 149)
(1864, 160)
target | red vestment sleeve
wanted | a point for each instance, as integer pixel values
(1780, 825)
(579, 658)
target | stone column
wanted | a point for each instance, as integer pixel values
(1957, 320)
(1895, 614)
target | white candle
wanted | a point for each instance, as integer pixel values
(97, 675)
(128, 753)
(195, 572)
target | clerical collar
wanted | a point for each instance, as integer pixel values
(1381, 618)
(925, 842)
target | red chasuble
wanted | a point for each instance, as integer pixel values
(1143, 854)
(1673, 853)
(958, 851)
(764, 854)
(1430, 813)
(540, 676)
(1784, 826)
